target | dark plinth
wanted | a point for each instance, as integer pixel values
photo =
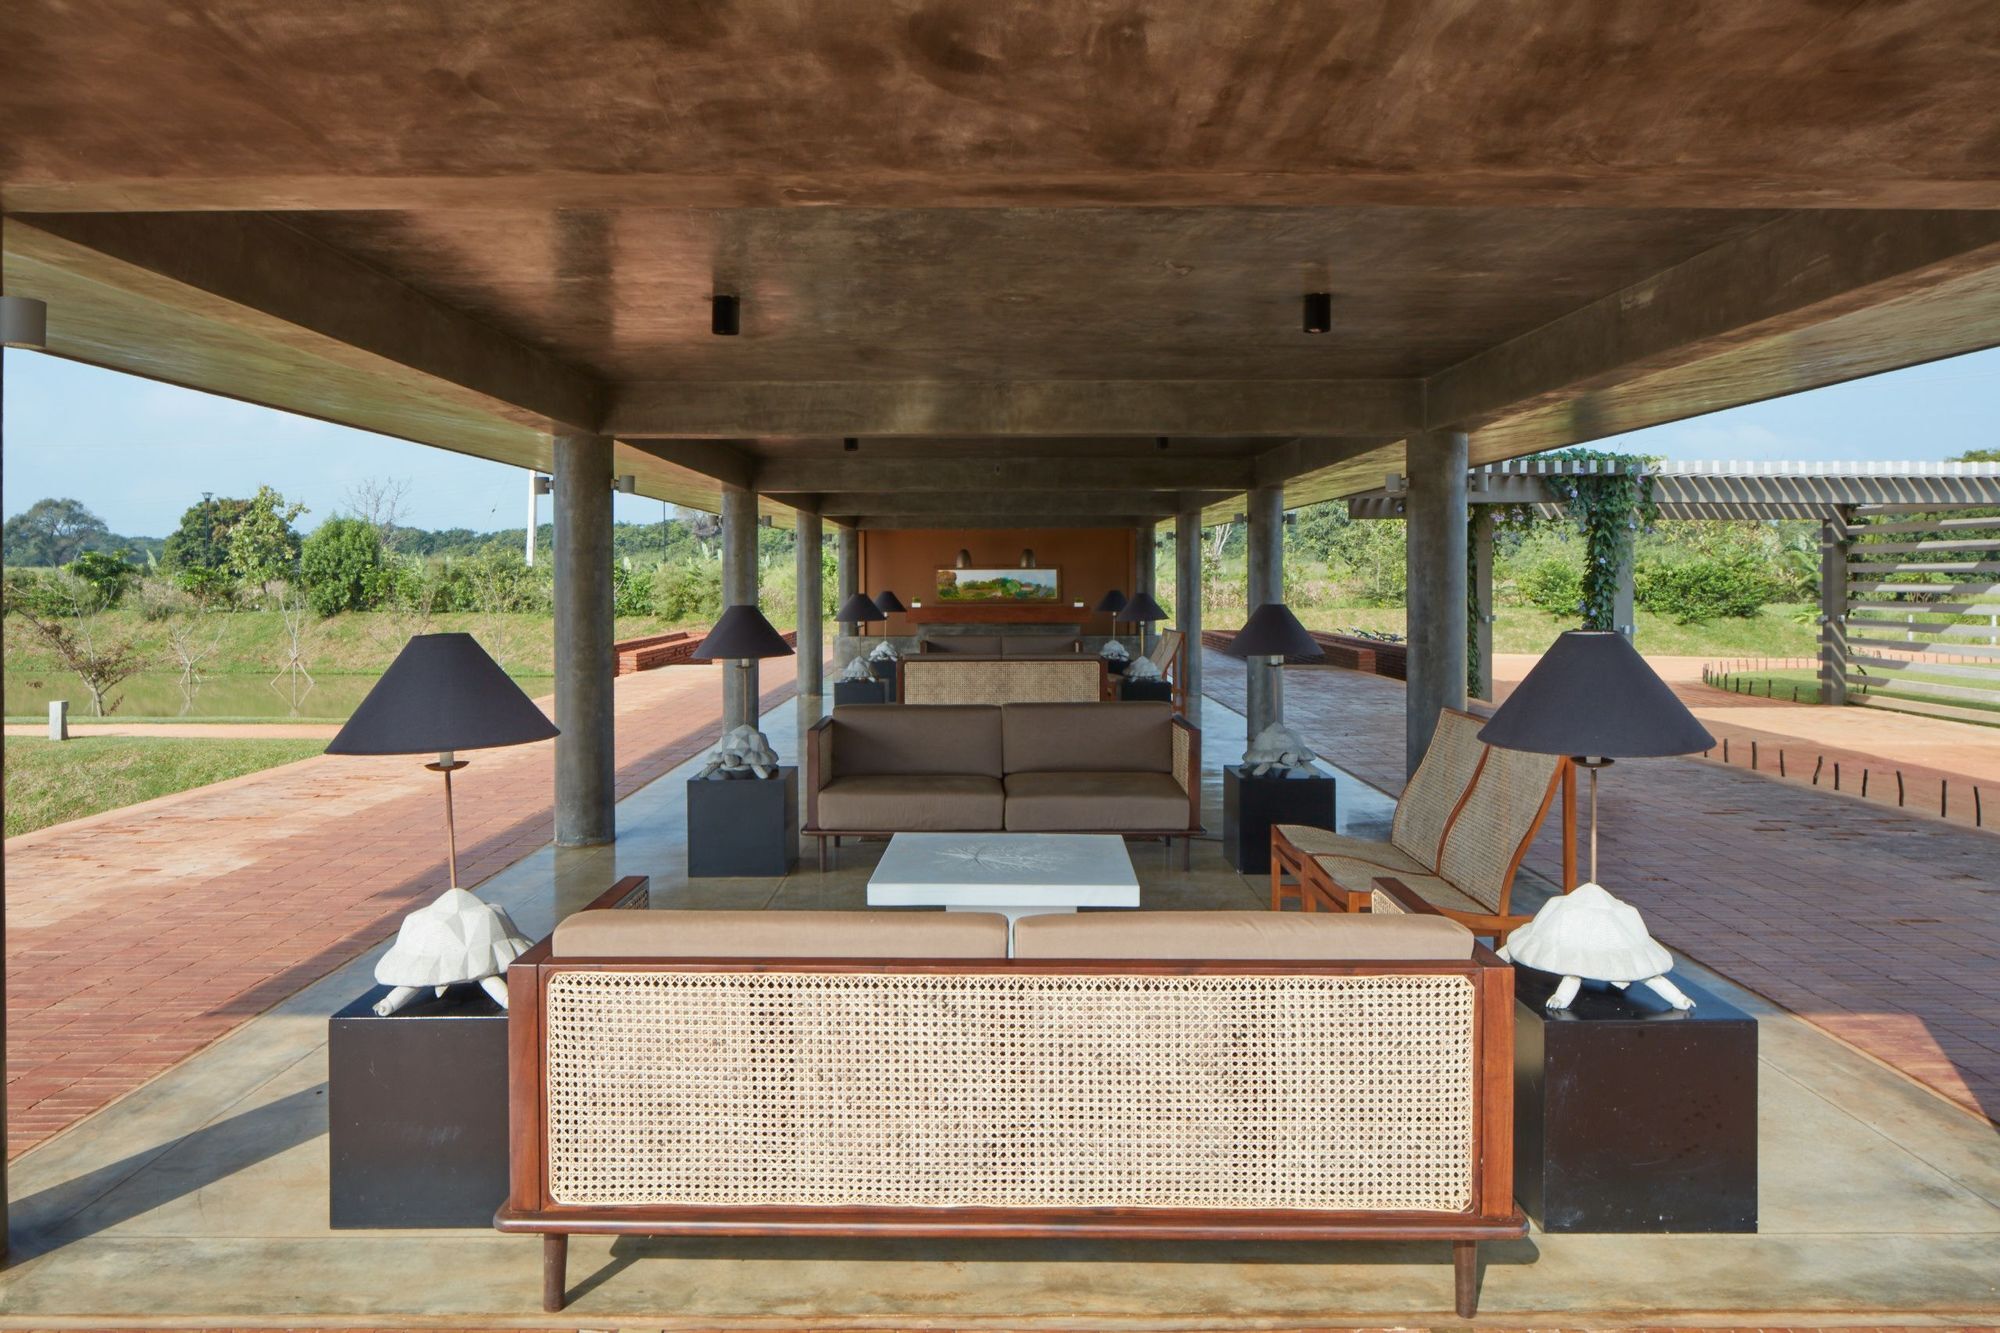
(417, 1112)
(1117, 666)
(743, 826)
(1155, 691)
(862, 692)
(1630, 1115)
(1250, 805)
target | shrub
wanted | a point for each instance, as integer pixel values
(1703, 588)
(1553, 585)
(687, 593)
(108, 576)
(631, 594)
(341, 566)
(36, 593)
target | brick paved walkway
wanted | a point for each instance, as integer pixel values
(1879, 926)
(138, 936)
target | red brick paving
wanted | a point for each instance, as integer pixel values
(1880, 926)
(137, 937)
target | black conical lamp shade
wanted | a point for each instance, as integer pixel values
(741, 634)
(1593, 695)
(1273, 631)
(443, 692)
(887, 602)
(1145, 610)
(1111, 603)
(858, 608)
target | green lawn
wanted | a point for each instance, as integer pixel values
(49, 782)
(1776, 631)
(1780, 684)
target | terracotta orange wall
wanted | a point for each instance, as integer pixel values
(1092, 561)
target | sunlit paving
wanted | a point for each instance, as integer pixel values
(1034, 667)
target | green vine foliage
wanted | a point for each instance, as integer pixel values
(1610, 508)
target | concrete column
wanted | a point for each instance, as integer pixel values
(847, 572)
(1624, 599)
(739, 588)
(585, 754)
(1146, 579)
(810, 581)
(1265, 682)
(1187, 602)
(1435, 537)
(1481, 609)
(1833, 543)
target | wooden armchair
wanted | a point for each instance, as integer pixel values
(1168, 653)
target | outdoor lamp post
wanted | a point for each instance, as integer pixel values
(1593, 697)
(442, 694)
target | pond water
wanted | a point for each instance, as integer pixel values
(160, 695)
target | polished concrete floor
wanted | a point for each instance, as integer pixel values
(203, 1195)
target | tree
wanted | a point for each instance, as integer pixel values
(341, 566)
(380, 502)
(201, 543)
(1978, 456)
(263, 544)
(51, 532)
(101, 657)
(108, 576)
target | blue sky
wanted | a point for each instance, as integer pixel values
(138, 453)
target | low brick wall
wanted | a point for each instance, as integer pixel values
(1340, 650)
(669, 649)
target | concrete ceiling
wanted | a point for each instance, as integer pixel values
(1005, 245)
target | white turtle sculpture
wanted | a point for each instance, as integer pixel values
(457, 938)
(884, 652)
(1587, 933)
(743, 750)
(856, 669)
(1277, 750)
(1142, 669)
(1114, 651)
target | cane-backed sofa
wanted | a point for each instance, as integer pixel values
(938, 678)
(1462, 827)
(1135, 1075)
(1127, 768)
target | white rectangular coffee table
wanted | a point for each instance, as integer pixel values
(1015, 874)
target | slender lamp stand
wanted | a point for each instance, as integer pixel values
(447, 765)
(1591, 765)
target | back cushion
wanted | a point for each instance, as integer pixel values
(908, 738)
(764, 934)
(1089, 738)
(1037, 645)
(1322, 936)
(973, 645)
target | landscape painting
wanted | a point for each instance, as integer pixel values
(998, 585)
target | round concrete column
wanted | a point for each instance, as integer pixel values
(810, 580)
(1435, 544)
(1264, 691)
(739, 588)
(1187, 603)
(1145, 577)
(586, 765)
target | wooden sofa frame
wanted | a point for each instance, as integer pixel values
(818, 737)
(1490, 1216)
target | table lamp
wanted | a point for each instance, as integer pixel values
(740, 638)
(1112, 604)
(859, 609)
(888, 603)
(441, 695)
(1273, 631)
(1593, 697)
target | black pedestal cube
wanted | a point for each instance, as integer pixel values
(1152, 691)
(743, 826)
(1251, 805)
(863, 692)
(417, 1112)
(1631, 1115)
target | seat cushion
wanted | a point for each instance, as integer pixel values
(976, 645)
(1088, 737)
(872, 739)
(913, 803)
(765, 934)
(1038, 645)
(1312, 841)
(1360, 876)
(1327, 937)
(1082, 802)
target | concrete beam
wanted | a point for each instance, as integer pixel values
(1028, 508)
(1004, 472)
(255, 269)
(1387, 408)
(710, 458)
(976, 521)
(1299, 458)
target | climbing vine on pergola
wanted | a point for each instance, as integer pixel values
(1610, 508)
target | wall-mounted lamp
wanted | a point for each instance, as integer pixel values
(544, 485)
(24, 322)
(964, 558)
(725, 315)
(1027, 557)
(1319, 312)
(625, 485)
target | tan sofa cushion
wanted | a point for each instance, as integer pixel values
(895, 739)
(1088, 738)
(765, 934)
(913, 803)
(975, 645)
(1082, 802)
(1322, 937)
(1037, 645)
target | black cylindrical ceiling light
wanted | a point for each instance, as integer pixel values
(725, 315)
(1160, 440)
(850, 444)
(1319, 312)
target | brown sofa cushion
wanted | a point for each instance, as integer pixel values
(766, 934)
(913, 803)
(1325, 937)
(894, 739)
(1038, 645)
(1082, 802)
(976, 645)
(1093, 738)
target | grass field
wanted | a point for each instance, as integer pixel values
(1780, 684)
(50, 782)
(1775, 632)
